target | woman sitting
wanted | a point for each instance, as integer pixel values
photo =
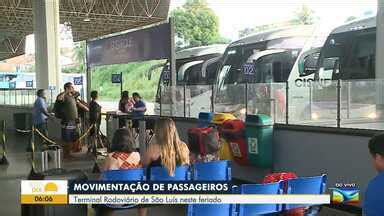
(167, 150)
(122, 155)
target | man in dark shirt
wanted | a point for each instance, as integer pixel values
(94, 118)
(138, 109)
(374, 195)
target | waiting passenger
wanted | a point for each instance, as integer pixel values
(94, 118)
(374, 195)
(122, 155)
(138, 110)
(167, 150)
(212, 148)
(125, 106)
(40, 114)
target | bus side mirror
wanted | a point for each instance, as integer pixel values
(308, 62)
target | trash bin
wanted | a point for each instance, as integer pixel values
(205, 119)
(259, 132)
(218, 119)
(22, 121)
(234, 132)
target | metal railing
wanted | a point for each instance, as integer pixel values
(329, 103)
(23, 97)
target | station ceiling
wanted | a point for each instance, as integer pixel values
(87, 18)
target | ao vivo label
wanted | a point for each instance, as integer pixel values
(44, 192)
(346, 193)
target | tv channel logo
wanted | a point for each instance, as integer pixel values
(345, 194)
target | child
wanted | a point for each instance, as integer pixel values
(374, 195)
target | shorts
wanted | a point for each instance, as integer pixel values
(69, 132)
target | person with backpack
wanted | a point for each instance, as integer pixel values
(66, 106)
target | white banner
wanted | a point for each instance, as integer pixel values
(198, 199)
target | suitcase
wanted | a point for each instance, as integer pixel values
(199, 137)
(57, 173)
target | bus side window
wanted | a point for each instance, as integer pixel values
(362, 62)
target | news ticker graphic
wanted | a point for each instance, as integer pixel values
(345, 193)
(44, 192)
(108, 192)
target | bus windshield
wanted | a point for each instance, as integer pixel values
(252, 57)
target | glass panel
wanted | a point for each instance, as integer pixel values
(231, 99)
(313, 103)
(362, 104)
(268, 99)
(167, 107)
(198, 99)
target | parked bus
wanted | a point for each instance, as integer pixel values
(251, 64)
(196, 72)
(347, 55)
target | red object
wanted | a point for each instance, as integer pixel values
(234, 132)
(198, 138)
(275, 177)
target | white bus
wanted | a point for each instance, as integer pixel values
(196, 72)
(251, 64)
(347, 55)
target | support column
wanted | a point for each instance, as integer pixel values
(380, 58)
(47, 50)
(379, 41)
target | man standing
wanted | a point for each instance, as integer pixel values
(69, 116)
(40, 114)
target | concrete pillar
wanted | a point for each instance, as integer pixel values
(380, 57)
(47, 50)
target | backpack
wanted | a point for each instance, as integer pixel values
(58, 109)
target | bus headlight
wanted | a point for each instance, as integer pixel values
(315, 116)
(372, 115)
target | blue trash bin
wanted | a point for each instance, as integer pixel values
(205, 119)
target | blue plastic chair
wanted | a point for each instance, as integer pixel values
(305, 185)
(212, 171)
(123, 175)
(205, 119)
(182, 173)
(260, 209)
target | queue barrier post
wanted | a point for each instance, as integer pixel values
(4, 160)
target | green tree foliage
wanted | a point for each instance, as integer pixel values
(135, 78)
(196, 24)
(79, 54)
(304, 16)
(248, 31)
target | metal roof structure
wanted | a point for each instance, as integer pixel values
(87, 18)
